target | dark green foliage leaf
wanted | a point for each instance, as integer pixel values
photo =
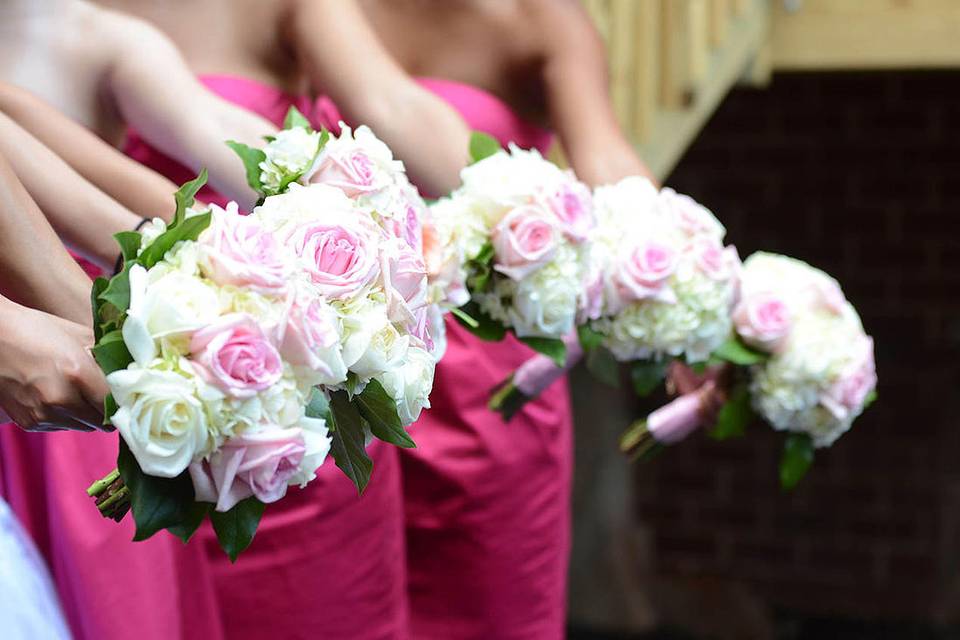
(647, 375)
(734, 416)
(111, 353)
(733, 350)
(796, 460)
(296, 119)
(507, 400)
(99, 286)
(109, 408)
(553, 348)
(485, 256)
(603, 366)
(157, 503)
(319, 406)
(117, 292)
(348, 445)
(589, 339)
(189, 229)
(870, 399)
(235, 528)
(486, 327)
(481, 270)
(482, 146)
(193, 518)
(380, 411)
(251, 159)
(129, 242)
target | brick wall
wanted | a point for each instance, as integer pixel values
(860, 175)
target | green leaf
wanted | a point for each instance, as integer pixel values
(157, 503)
(251, 159)
(734, 416)
(647, 375)
(186, 195)
(589, 339)
(486, 327)
(109, 408)
(603, 366)
(481, 269)
(111, 352)
(296, 119)
(190, 229)
(348, 444)
(318, 406)
(380, 411)
(733, 350)
(796, 460)
(870, 399)
(485, 256)
(129, 242)
(235, 528)
(193, 518)
(99, 286)
(117, 292)
(482, 146)
(553, 348)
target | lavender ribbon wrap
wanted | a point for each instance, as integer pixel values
(676, 420)
(539, 372)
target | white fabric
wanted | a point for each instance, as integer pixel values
(29, 609)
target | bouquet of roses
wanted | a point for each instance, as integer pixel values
(241, 349)
(804, 365)
(511, 246)
(660, 287)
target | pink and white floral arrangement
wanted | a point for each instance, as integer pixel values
(241, 350)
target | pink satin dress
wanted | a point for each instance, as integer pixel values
(325, 562)
(487, 504)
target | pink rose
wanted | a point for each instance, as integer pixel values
(693, 218)
(341, 259)
(257, 464)
(524, 240)
(404, 280)
(828, 296)
(851, 389)
(713, 259)
(311, 340)
(763, 321)
(234, 355)
(572, 204)
(238, 251)
(591, 297)
(350, 170)
(645, 271)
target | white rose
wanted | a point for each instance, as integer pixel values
(315, 202)
(316, 439)
(291, 152)
(175, 304)
(545, 304)
(161, 418)
(410, 385)
(386, 350)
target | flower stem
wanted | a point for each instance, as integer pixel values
(638, 443)
(111, 496)
(507, 400)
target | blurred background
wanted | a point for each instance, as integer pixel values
(826, 130)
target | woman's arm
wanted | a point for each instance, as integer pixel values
(128, 182)
(35, 269)
(159, 96)
(82, 215)
(345, 60)
(578, 93)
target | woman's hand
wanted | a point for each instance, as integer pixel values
(713, 384)
(49, 381)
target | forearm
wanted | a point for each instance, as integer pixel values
(606, 160)
(136, 187)
(84, 216)
(37, 270)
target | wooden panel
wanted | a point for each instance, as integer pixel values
(867, 34)
(622, 50)
(675, 41)
(647, 69)
(719, 17)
